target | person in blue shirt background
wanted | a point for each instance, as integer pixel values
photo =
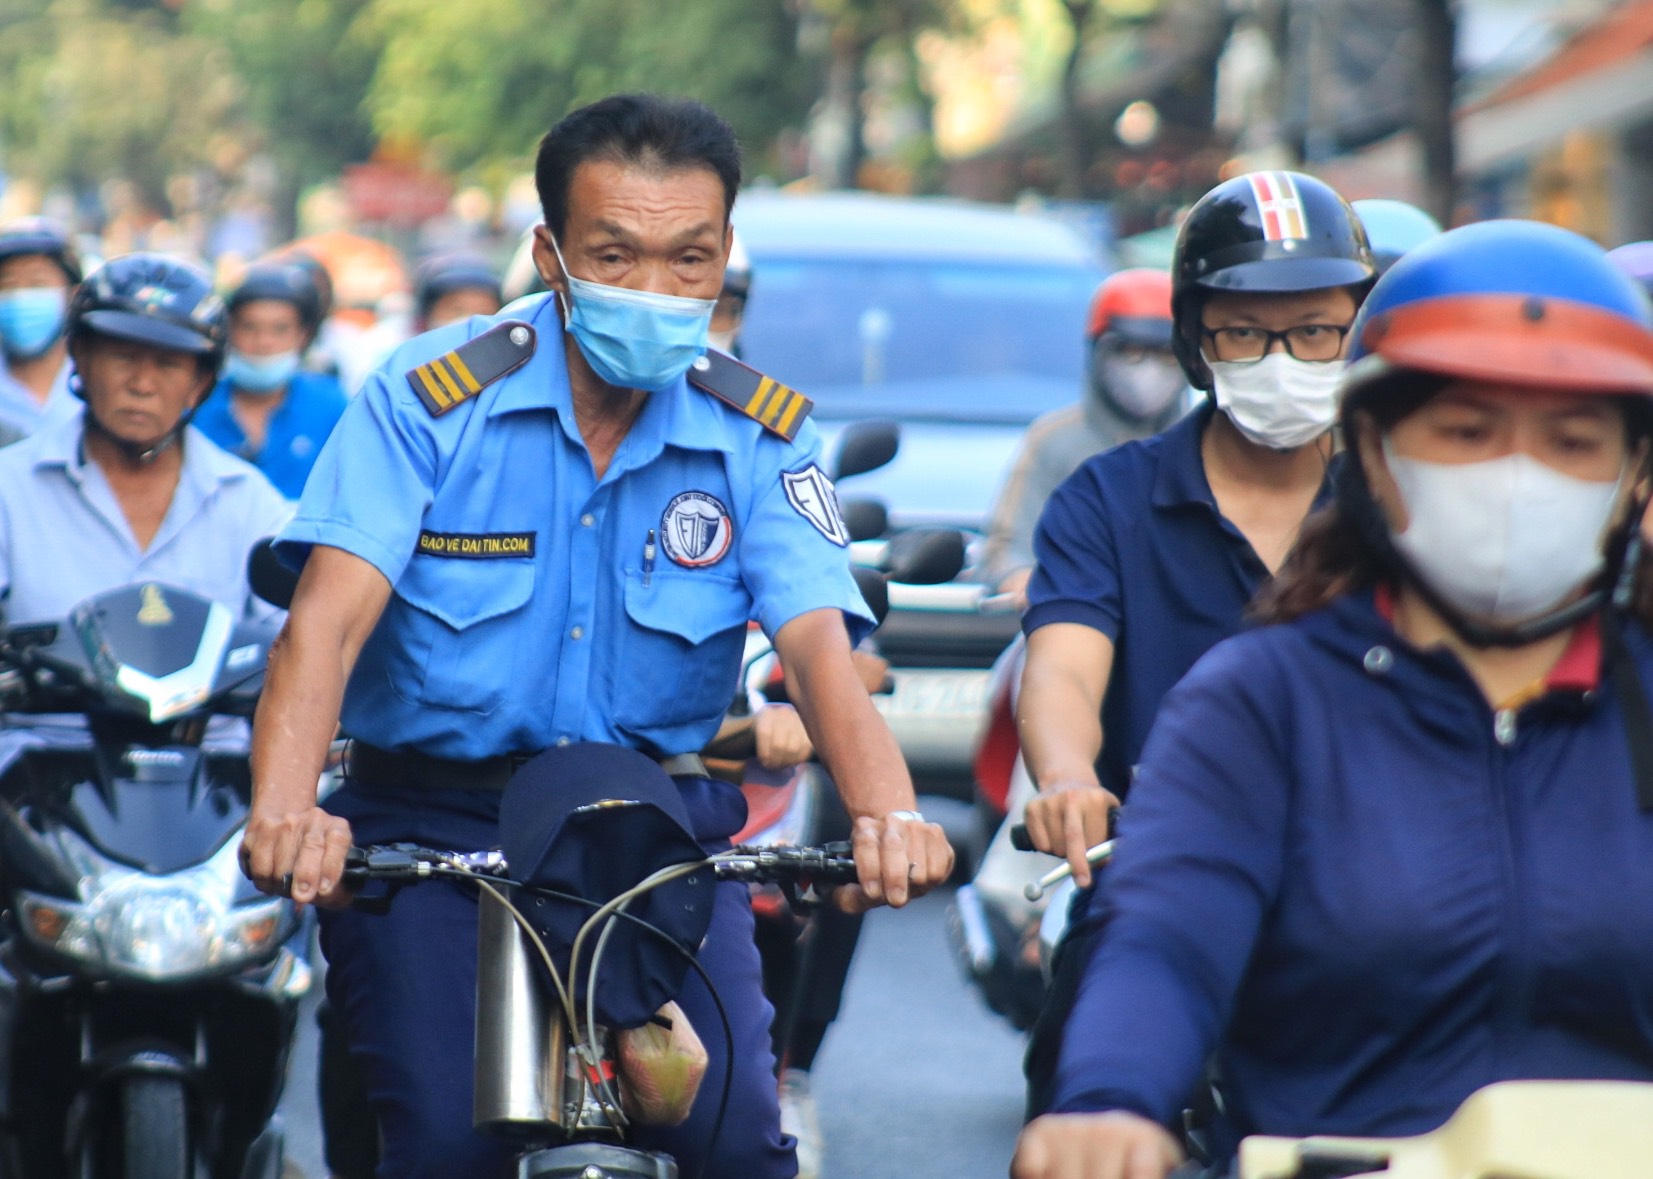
(266, 408)
(39, 271)
(1397, 845)
(1148, 554)
(535, 531)
(126, 491)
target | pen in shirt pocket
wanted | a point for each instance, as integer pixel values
(648, 558)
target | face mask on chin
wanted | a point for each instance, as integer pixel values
(634, 339)
(260, 374)
(1279, 401)
(1503, 540)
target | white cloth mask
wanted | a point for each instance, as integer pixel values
(1504, 540)
(1279, 401)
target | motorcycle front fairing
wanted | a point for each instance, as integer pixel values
(135, 942)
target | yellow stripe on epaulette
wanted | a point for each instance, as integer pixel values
(777, 407)
(457, 376)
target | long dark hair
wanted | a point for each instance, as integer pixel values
(1344, 547)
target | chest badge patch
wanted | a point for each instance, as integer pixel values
(696, 529)
(813, 497)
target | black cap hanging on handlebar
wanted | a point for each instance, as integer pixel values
(593, 820)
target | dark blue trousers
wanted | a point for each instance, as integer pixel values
(404, 986)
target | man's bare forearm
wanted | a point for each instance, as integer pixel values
(849, 735)
(297, 716)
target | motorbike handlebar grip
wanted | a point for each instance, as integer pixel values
(1020, 839)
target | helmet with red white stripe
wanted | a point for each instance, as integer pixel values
(1268, 233)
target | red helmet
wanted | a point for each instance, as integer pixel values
(1135, 304)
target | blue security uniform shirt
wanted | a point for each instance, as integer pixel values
(525, 611)
(63, 536)
(297, 431)
(1133, 545)
(1368, 892)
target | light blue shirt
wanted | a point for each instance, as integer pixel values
(21, 415)
(525, 612)
(63, 536)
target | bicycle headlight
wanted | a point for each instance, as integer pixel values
(157, 927)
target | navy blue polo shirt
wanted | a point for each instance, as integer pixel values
(1132, 545)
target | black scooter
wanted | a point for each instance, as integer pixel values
(148, 993)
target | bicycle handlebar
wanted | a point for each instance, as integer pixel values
(825, 865)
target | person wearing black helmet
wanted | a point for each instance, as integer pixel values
(266, 408)
(124, 490)
(1148, 554)
(449, 287)
(39, 270)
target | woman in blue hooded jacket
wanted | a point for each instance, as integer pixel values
(1395, 846)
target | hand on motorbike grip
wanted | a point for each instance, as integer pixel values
(1069, 819)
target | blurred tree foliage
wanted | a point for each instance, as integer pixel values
(155, 90)
(94, 91)
(480, 84)
(304, 67)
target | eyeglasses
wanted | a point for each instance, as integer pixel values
(1308, 341)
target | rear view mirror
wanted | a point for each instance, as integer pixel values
(269, 578)
(925, 556)
(874, 589)
(865, 446)
(865, 519)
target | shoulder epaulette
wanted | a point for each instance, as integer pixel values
(777, 407)
(461, 374)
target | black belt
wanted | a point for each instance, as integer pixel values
(369, 763)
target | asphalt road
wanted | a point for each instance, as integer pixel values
(916, 1079)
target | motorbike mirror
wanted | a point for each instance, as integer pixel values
(865, 519)
(269, 578)
(925, 556)
(874, 589)
(865, 446)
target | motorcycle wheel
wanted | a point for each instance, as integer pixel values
(154, 1129)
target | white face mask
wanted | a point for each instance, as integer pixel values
(1141, 389)
(1503, 540)
(1279, 401)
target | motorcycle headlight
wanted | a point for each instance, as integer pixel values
(159, 927)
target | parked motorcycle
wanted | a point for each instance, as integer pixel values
(148, 993)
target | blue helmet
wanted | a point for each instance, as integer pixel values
(42, 236)
(442, 274)
(284, 282)
(1393, 228)
(1515, 301)
(153, 299)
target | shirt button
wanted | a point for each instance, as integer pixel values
(577, 633)
(588, 519)
(1379, 660)
(562, 740)
(1504, 727)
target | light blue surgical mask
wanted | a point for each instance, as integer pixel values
(635, 339)
(31, 320)
(260, 374)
